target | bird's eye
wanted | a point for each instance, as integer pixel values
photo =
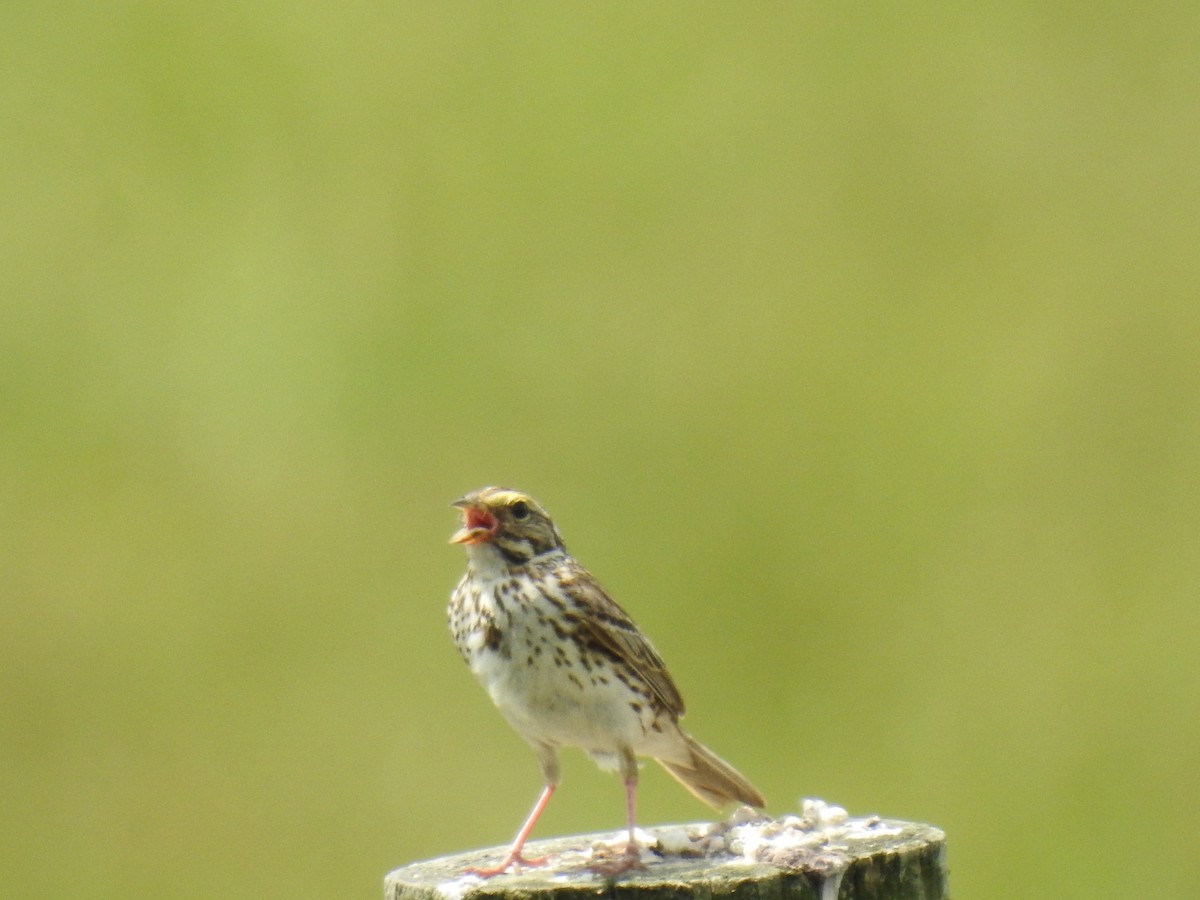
(520, 509)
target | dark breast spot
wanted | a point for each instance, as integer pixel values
(493, 640)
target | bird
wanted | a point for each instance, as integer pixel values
(566, 666)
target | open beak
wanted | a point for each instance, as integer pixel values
(479, 525)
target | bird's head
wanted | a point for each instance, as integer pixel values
(510, 521)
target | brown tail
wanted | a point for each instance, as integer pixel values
(712, 779)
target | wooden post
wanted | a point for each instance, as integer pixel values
(819, 855)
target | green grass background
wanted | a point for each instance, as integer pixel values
(856, 348)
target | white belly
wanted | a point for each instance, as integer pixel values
(549, 688)
(558, 703)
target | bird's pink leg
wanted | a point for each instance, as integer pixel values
(630, 807)
(514, 857)
(633, 854)
(631, 857)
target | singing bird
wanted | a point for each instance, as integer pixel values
(565, 665)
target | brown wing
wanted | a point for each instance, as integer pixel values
(610, 627)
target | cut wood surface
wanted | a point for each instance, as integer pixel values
(819, 855)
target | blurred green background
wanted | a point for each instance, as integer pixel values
(856, 349)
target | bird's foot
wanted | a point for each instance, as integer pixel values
(514, 861)
(613, 861)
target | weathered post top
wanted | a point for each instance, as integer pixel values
(819, 855)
